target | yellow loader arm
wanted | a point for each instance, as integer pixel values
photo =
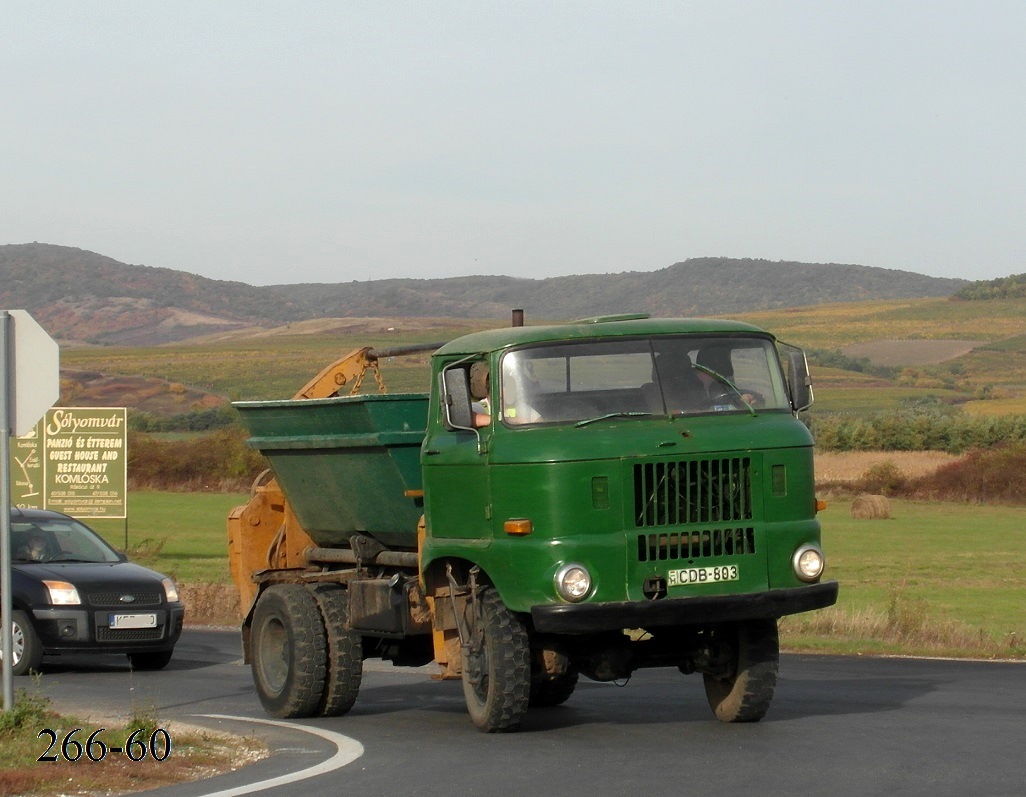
(350, 368)
(353, 367)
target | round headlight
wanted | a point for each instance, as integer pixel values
(573, 583)
(808, 563)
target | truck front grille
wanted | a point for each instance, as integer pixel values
(693, 492)
(696, 544)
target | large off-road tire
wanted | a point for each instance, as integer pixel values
(288, 651)
(150, 661)
(553, 692)
(28, 650)
(345, 653)
(496, 665)
(745, 695)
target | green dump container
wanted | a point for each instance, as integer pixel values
(345, 463)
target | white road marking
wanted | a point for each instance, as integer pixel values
(346, 752)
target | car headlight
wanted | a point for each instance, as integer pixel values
(62, 593)
(808, 563)
(170, 590)
(573, 582)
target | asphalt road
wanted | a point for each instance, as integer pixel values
(837, 725)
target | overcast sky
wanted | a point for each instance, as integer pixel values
(348, 140)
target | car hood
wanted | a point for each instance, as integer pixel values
(93, 575)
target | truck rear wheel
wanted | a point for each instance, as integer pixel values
(745, 693)
(288, 651)
(496, 665)
(345, 653)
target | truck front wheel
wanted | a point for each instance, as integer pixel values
(288, 651)
(496, 665)
(744, 691)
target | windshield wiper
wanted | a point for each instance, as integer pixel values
(724, 381)
(608, 415)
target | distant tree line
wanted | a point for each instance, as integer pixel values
(923, 429)
(832, 358)
(195, 421)
(1011, 287)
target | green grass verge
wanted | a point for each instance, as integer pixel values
(935, 578)
(78, 759)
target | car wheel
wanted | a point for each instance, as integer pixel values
(150, 661)
(28, 650)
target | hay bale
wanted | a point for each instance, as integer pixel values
(871, 507)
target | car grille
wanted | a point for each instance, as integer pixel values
(104, 634)
(693, 492)
(113, 599)
(696, 544)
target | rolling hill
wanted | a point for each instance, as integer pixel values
(81, 297)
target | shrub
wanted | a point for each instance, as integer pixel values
(29, 711)
(883, 479)
(992, 475)
(219, 461)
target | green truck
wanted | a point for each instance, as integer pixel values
(582, 499)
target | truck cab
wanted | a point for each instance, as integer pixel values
(631, 479)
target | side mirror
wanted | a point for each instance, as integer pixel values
(799, 383)
(455, 398)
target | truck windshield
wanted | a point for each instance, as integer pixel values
(671, 375)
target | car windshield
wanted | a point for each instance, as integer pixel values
(671, 375)
(57, 540)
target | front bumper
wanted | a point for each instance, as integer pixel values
(586, 618)
(85, 630)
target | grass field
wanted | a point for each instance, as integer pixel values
(834, 326)
(848, 466)
(265, 367)
(935, 578)
(181, 534)
(274, 364)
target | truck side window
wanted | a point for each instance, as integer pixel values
(455, 398)
(480, 390)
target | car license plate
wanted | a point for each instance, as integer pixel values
(132, 620)
(702, 575)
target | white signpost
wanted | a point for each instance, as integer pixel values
(29, 386)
